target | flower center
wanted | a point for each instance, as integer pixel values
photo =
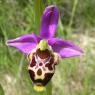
(43, 45)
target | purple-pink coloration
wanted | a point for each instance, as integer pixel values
(25, 43)
(49, 22)
(43, 62)
(48, 28)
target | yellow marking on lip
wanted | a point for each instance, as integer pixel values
(39, 88)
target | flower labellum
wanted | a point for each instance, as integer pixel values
(45, 51)
(42, 64)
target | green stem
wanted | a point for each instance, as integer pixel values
(19, 70)
(1, 90)
(49, 88)
(72, 17)
(73, 12)
(61, 30)
(38, 7)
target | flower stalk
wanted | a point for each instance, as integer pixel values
(38, 9)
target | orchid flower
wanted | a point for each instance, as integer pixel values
(45, 51)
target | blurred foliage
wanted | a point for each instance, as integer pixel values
(75, 76)
(1, 90)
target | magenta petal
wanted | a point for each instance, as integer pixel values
(24, 43)
(65, 48)
(68, 52)
(49, 22)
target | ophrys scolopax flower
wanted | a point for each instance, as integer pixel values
(45, 51)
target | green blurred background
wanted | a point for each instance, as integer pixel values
(74, 76)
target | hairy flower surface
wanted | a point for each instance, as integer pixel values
(44, 51)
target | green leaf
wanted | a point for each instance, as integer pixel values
(1, 90)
